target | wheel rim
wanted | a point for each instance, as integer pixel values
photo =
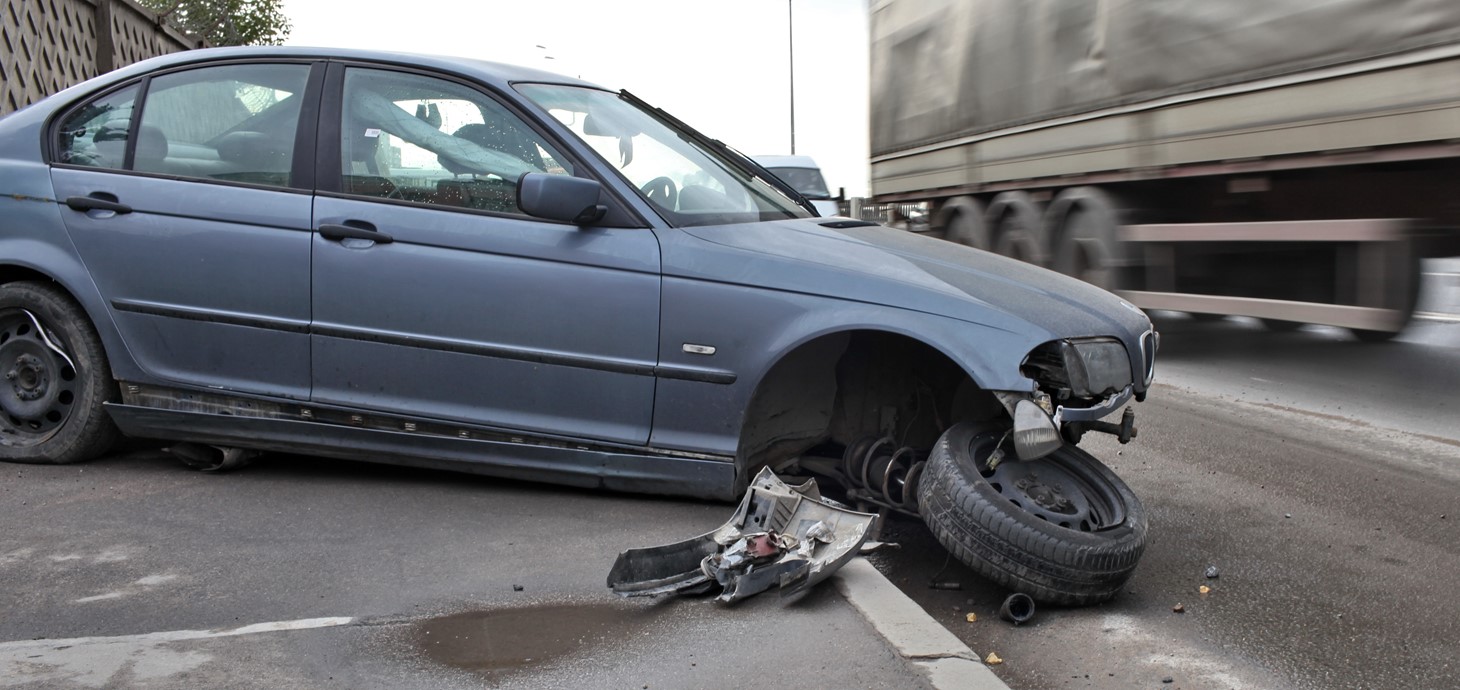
(39, 383)
(1053, 488)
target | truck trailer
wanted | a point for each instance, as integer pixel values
(1289, 160)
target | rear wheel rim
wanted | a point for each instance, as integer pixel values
(38, 382)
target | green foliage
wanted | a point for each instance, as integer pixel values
(227, 22)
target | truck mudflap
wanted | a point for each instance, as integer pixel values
(782, 536)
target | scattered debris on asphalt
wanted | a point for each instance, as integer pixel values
(1018, 608)
(1287, 515)
(870, 547)
(993, 659)
(1204, 590)
(946, 584)
(971, 618)
(781, 536)
(1168, 679)
(1178, 609)
(1212, 572)
(517, 588)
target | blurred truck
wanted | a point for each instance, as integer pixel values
(1290, 160)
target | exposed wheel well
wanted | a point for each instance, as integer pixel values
(844, 386)
(11, 274)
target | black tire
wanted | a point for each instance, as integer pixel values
(51, 402)
(985, 526)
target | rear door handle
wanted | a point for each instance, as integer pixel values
(97, 201)
(353, 230)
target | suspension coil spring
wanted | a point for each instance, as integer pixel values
(885, 473)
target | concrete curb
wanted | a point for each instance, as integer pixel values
(926, 646)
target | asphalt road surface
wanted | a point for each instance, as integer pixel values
(1320, 476)
(132, 571)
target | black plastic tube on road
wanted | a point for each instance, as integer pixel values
(1018, 608)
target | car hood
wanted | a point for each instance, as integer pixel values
(896, 268)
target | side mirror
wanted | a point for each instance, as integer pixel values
(560, 197)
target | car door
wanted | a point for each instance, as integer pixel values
(182, 195)
(435, 296)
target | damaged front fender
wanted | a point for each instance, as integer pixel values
(780, 536)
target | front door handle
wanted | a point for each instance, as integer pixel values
(97, 201)
(353, 230)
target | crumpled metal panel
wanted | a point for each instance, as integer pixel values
(781, 536)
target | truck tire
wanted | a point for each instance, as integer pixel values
(962, 220)
(1063, 529)
(55, 381)
(1018, 229)
(1404, 285)
(1083, 222)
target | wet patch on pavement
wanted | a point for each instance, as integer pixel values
(499, 641)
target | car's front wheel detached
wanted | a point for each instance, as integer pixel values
(53, 379)
(1063, 529)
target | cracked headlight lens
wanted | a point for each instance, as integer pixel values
(1080, 368)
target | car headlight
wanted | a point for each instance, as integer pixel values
(1083, 368)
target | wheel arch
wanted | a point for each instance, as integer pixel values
(73, 280)
(834, 384)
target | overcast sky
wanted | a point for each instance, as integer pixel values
(720, 66)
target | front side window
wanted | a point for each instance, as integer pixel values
(95, 135)
(689, 183)
(235, 123)
(433, 141)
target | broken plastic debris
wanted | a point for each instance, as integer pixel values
(971, 618)
(1204, 589)
(871, 546)
(993, 659)
(780, 536)
(1212, 572)
(1178, 609)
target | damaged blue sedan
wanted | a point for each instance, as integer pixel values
(457, 264)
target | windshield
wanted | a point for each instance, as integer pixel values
(688, 183)
(808, 181)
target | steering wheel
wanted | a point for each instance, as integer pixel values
(661, 191)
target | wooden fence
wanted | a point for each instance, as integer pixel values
(48, 45)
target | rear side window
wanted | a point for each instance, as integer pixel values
(234, 123)
(95, 135)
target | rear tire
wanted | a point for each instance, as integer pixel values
(54, 379)
(1016, 544)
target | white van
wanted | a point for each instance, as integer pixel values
(804, 176)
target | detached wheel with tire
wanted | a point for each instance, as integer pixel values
(53, 379)
(1063, 529)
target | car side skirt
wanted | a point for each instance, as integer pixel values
(474, 451)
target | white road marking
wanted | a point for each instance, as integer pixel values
(105, 661)
(177, 635)
(152, 580)
(101, 597)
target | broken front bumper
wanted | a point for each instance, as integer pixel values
(781, 536)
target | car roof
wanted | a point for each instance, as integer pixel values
(786, 162)
(493, 73)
